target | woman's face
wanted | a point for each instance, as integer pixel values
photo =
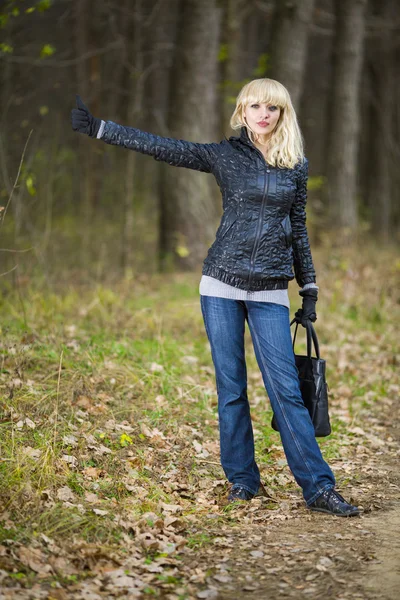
(262, 118)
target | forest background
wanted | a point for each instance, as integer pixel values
(174, 68)
(110, 477)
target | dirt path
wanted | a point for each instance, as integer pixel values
(382, 578)
(292, 553)
(310, 555)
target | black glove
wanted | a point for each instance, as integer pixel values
(82, 121)
(307, 312)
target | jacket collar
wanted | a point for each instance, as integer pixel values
(243, 137)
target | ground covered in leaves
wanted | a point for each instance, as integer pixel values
(111, 485)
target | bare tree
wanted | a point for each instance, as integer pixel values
(88, 81)
(135, 105)
(344, 113)
(382, 103)
(234, 11)
(163, 44)
(290, 32)
(188, 198)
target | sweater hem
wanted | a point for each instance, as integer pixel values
(239, 282)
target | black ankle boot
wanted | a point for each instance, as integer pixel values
(330, 501)
(239, 493)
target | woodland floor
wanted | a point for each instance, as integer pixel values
(110, 482)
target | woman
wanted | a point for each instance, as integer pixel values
(262, 175)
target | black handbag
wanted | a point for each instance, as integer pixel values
(313, 387)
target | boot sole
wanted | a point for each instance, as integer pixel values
(239, 499)
(329, 512)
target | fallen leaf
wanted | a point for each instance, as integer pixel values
(209, 594)
(101, 513)
(71, 460)
(35, 560)
(257, 553)
(65, 494)
(172, 508)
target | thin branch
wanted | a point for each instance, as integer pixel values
(15, 183)
(7, 272)
(57, 403)
(48, 62)
(21, 299)
(3, 163)
(11, 250)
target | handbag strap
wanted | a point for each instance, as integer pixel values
(311, 335)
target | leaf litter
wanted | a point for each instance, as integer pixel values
(123, 505)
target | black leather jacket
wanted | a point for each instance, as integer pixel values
(262, 232)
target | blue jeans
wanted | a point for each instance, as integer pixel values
(269, 325)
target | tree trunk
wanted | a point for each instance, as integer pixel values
(188, 197)
(119, 23)
(87, 76)
(116, 99)
(135, 105)
(343, 138)
(382, 102)
(290, 31)
(231, 60)
(162, 49)
(315, 97)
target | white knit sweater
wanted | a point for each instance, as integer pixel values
(210, 286)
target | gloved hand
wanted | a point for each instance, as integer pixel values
(307, 312)
(82, 121)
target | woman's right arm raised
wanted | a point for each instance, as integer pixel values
(179, 153)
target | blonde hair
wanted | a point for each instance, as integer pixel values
(286, 147)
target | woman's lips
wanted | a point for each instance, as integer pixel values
(263, 124)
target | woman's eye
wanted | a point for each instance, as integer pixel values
(273, 107)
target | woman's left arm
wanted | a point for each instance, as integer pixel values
(302, 259)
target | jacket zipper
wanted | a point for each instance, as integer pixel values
(261, 215)
(259, 228)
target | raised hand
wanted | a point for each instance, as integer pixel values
(82, 121)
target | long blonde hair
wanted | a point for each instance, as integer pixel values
(286, 147)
